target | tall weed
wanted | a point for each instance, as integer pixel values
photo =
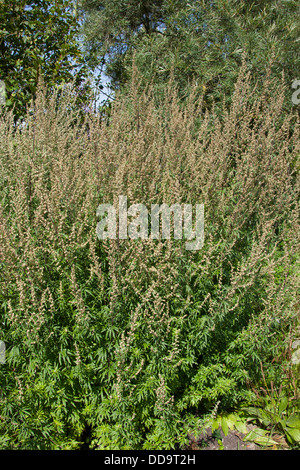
(134, 343)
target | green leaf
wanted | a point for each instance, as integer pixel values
(241, 427)
(251, 411)
(294, 434)
(224, 425)
(221, 445)
(259, 436)
(216, 423)
(263, 416)
(231, 420)
(293, 422)
(283, 405)
(252, 435)
(265, 441)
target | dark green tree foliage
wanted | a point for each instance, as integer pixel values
(111, 26)
(200, 41)
(37, 38)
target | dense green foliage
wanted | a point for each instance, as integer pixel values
(37, 39)
(196, 41)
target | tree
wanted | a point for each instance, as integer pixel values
(37, 39)
(111, 28)
(200, 41)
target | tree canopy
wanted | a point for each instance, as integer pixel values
(200, 41)
(37, 38)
